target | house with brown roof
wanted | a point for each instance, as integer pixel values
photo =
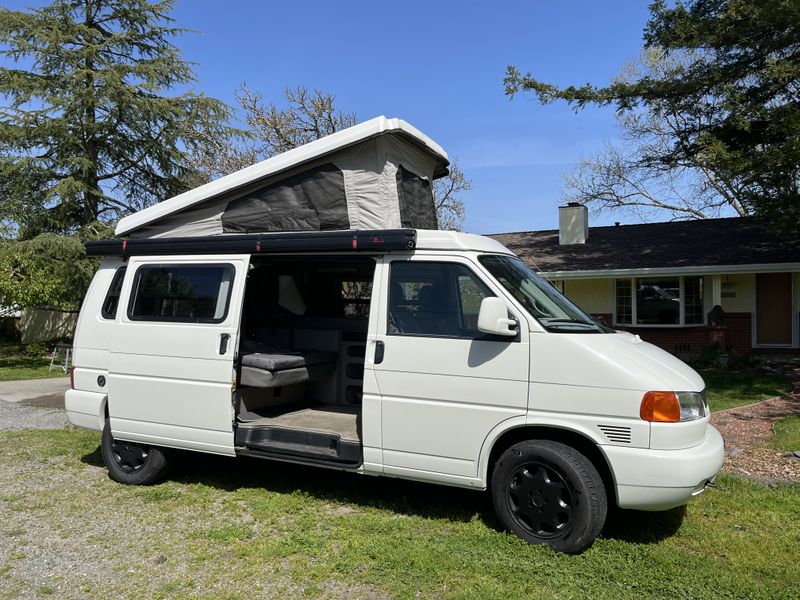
(682, 285)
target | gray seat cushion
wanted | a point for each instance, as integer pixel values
(271, 358)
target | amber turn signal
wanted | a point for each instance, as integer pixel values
(661, 407)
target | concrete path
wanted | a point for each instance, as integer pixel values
(36, 392)
(33, 404)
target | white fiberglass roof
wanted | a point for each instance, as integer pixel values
(287, 160)
(434, 239)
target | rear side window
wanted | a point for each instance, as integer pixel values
(109, 308)
(182, 293)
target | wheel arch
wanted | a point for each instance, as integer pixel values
(518, 432)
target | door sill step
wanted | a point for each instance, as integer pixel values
(285, 442)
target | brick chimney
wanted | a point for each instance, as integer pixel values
(573, 224)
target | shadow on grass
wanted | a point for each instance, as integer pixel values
(94, 458)
(643, 527)
(399, 496)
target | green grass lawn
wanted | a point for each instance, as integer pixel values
(236, 528)
(727, 389)
(15, 364)
(787, 434)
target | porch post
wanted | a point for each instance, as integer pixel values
(717, 334)
(716, 290)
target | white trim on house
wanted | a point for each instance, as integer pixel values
(674, 271)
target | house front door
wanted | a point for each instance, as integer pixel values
(774, 309)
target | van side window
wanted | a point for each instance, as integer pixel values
(434, 299)
(355, 298)
(109, 308)
(181, 293)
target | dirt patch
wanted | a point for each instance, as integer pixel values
(16, 415)
(747, 429)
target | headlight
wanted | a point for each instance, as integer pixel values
(672, 407)
(693, 405)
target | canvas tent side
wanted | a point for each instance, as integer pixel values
(376, 175)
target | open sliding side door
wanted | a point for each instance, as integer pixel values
(172, 355)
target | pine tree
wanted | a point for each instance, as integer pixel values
(734, 93)
(89, 130)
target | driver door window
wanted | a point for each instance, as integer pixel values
(434, 299)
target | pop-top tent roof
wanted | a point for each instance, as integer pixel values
(376, 175)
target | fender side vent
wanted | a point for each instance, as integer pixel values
(616, 434)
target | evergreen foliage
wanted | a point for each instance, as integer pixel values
(49, 270)
(89, 131)
(734, 89)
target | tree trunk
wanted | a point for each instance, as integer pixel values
(91, 197)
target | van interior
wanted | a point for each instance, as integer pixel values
(300, 367)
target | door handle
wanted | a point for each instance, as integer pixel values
(224, 338)
(379, 350)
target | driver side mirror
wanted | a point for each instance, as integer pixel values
(493, 318)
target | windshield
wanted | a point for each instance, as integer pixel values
(543, 301)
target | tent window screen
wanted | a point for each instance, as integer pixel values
(313, 200)
(415, 200)
(182, 293)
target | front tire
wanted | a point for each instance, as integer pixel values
(132, 463)
(549, 493)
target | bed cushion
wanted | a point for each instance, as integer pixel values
(284, 360)
(255, 377)
(272, 358)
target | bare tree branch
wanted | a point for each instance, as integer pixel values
(632, 175)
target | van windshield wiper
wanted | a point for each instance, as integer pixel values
(556, 320)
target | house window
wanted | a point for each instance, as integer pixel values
(659, 301)
(693, 305)
(624, 303)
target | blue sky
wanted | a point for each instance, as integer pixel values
(440, 66)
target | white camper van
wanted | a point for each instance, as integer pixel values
(307, 310)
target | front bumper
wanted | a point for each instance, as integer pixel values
(662, 479)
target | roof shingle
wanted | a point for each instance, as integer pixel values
(700, 243)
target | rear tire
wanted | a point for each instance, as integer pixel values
(133, 463)
(549, 493)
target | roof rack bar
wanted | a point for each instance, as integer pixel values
(379, 240)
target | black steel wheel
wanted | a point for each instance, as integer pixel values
(132, 463)
(128, 456)
(549, 493)
(540, 499)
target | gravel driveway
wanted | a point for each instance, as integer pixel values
(33, 404)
